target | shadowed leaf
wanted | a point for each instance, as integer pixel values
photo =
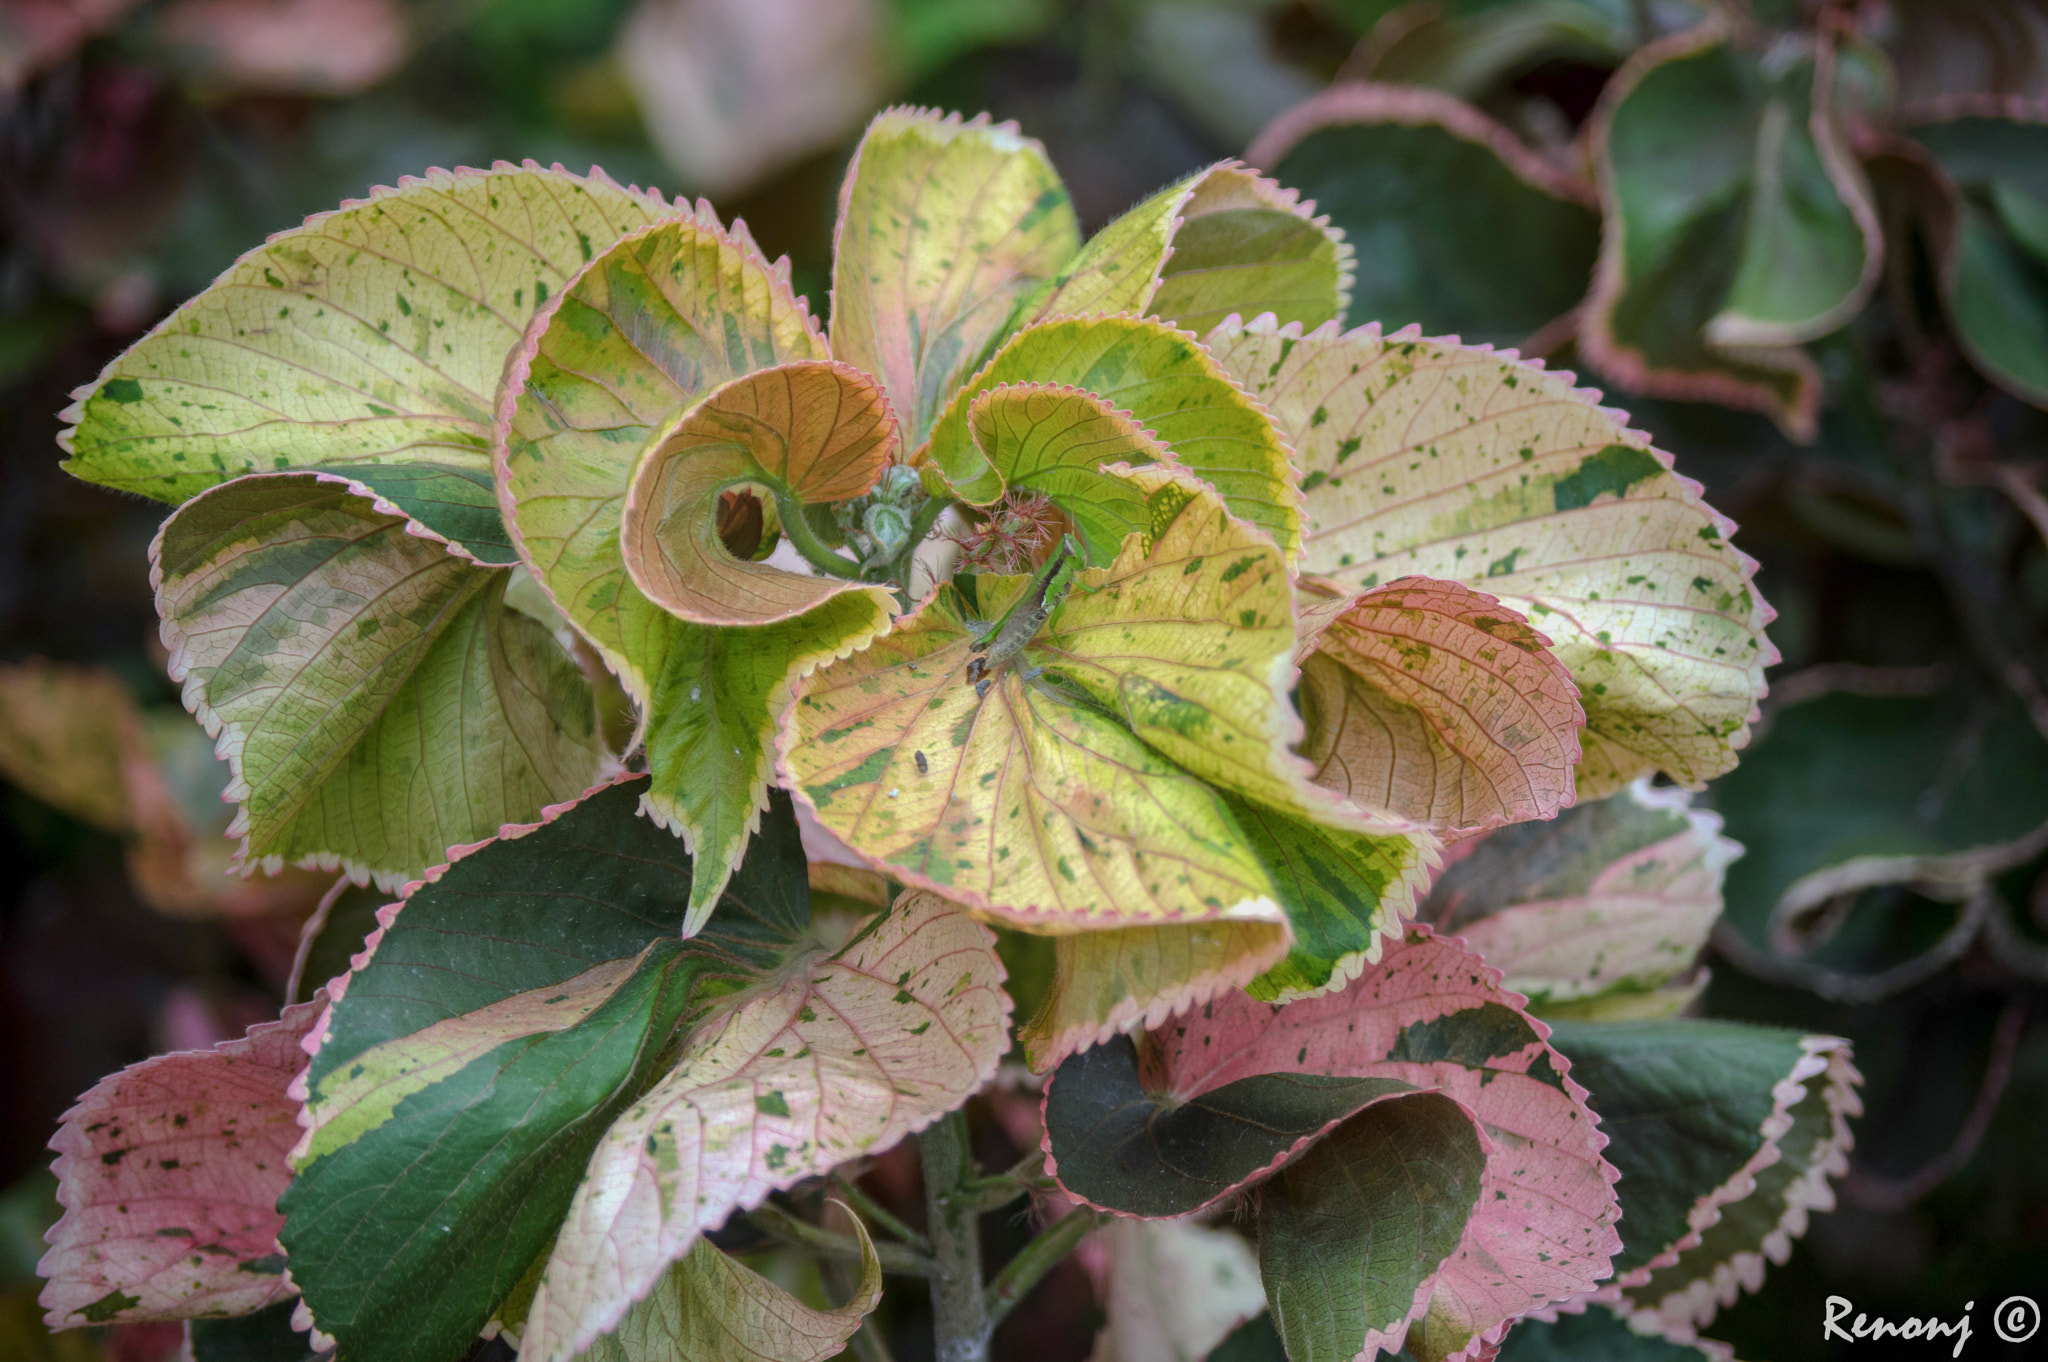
(169, 1173)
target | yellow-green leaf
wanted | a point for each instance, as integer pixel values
(374, 334)
(808, 431)
(942, 225)
(1223, 240)
(1432, 458)
(709, 1308)
(1054, 441)
(646, 331)
(1166, 383)
(376, 699)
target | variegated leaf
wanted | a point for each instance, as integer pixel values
(942, 225)
(1429, 1016)
(169, 1173)
(372, 335)
(808, 432)
(1223, 240)
(1163, 381)
(646, 331)
(1052, 441)
(1599, 908)
(375, 697)
(1726, 1135)
(1428, 457)
(846, 1054)
(1435, 701)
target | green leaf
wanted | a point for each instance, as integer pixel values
(1430, 458)
(1116, 1145)
(942, 225)
(374, 334)
(1438, 702)
(1726, 1135)
(1347, 894)
(1383, 1200)
(1422, 182)
(1599, 1333)
(1850, 791)
(1994, 266)
(1160, 378)
(266, 1336)
(1223, 240)
(463, 1179)
(1738, 226)
(1054, 441)
(1604, 905)
(456, 504)
(645, 332)
(375, 698)
(708, 1308)
(833, 1057)
(806, 432)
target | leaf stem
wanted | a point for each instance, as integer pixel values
(875, 1213)
(959, 1309)
(1037, 1258)
(777, 1223)
(994, 1193)
(921, 527)
(807, 542)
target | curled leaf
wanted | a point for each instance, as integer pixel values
(1726, 1136)
(1432, 458)
(646, 331)
(1437, 702)
(376, 699)
(169, 1172)
(943, 223)
(1160, 378)
(808, 431)
(1606, 903)
(374, 334)
(1737, 225)
(1053, 441)
(1223, 240)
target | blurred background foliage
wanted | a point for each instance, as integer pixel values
(1804, 244)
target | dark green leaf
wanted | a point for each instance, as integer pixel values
(266, 1336)
(458, 504)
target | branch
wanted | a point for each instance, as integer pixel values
(777, 1223)
(1035, 1259)
(807, 542)
(875, 1213)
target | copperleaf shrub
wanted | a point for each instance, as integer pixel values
(1108, 593)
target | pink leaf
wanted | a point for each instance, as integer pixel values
(169, 1172)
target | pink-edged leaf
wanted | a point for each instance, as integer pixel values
(848, 1055)
(1440, 703)
(169, 1172)
(1430, 1016)
(809, 431)
(1594, 912)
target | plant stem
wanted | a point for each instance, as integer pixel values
(1035, 1259)
(875, 1213)
(990, 1194)
(921, 527)
(807, 542)
(777, 1223)
(959, 1309)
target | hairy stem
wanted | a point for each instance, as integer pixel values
(807, 542)
(875, 1213)
(777, 1223)
(994, 1193)
(1037, 1258)
(959, 1310)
